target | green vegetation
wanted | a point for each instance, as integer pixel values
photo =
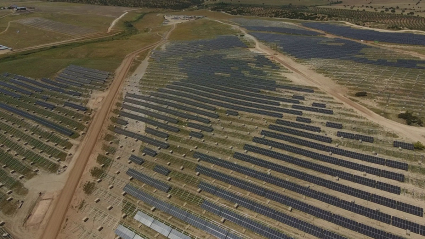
(418, 145)
(97, 172)
(200, 29)
(410, 118)
(89, 187)
(176, 5)
(361, 94)
(103, 54)
(102, 159)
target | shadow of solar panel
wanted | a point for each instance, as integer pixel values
(148, 180)
(147, 112)
(44, 122)
(149, 121)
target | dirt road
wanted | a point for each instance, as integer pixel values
(115, 21)
(54, 225)
(310, 77)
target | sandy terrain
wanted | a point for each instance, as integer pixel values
(310, 77)
(92, 137)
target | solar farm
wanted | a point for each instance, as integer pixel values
(214, 141)
(41, 123)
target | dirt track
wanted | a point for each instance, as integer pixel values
(55, 221)
(312, 78)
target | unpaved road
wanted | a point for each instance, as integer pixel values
(54, 225)
(312, 78)
(115, 21)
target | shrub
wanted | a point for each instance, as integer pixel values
(89, 187)
(361, 93)
(97, 172)
(418, 145)
(410, 118)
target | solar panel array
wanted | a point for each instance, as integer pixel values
(148, 180)
(35, 89)
(347, 135)
(282, 30)
(336, 161)
(156, 132)
(39, 120)
(339, 151)
(371, 213)
(298, 125)
(246, 222)
(181, 214)
(149, 152)
(368, 35)
(320, 105)
(159, 227)
(313, 109)
(403, 145)
(147, 112)
(75, 106)
(308, 47)
(232, 112)
(142, 138)
(333, 125)
(14, 88)
(200, 127)
(167, 110)
(303, 119)
(263, 210)
(317, 212)
(136, 160)
(196, 134)
(46, 105)
(300, 133)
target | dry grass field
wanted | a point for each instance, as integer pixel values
(272, 2)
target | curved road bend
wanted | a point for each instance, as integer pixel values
(57, 217)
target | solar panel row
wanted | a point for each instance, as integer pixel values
(142, 138)
(183, 215)
(147, 112)
(156, 132)
(148, 180)
(345, 189)
(300, 133)
(364, 138)
(298, 125)
(39, 120)
(342, 152)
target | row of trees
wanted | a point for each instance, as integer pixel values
(169, 4)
